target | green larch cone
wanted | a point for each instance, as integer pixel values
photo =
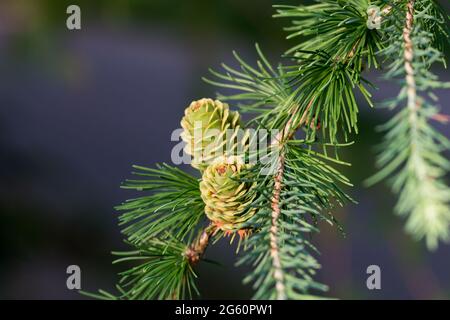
(226, 198)
(205, 125)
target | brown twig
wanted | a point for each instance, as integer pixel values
(274, 249)
(408, 55)
(196, 250)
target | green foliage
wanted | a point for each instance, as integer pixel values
(163, 273)
(334, 49)
(274, 95)
(326, 70)
(331, 86)
(334, 27)
(310, 190)
(412, 154)
(172, 206)
(159, 227)
(262, 90)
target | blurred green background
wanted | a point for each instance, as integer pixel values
(78, 108)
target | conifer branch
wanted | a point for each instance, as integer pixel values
(287, 133)
(276, 211)
(411, 154)
(278, 179)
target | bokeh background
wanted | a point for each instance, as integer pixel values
(78, 108)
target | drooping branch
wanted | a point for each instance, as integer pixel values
(413, 103)
(282, 137)
(412, 156)
(285, 135)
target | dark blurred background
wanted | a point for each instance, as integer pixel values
(78, 108)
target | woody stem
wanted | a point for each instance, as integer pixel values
(197, 249)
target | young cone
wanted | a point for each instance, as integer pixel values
(205, 125)
(226, 198)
